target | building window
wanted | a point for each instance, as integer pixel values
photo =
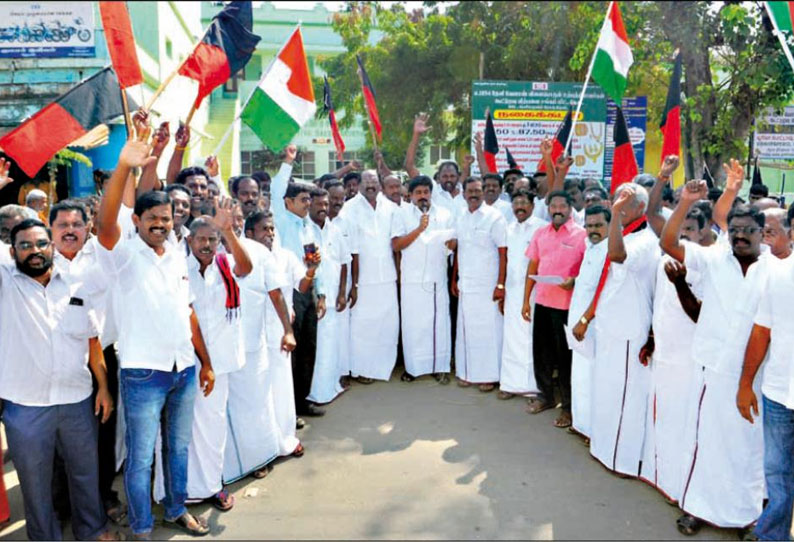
(169, 48)
(246, 159)
(232, 83)
(334, 164)
(305, 166)
(440, 152)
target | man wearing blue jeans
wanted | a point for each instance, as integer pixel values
(772, 334)
(159, 335)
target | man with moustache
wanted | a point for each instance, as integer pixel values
(374, 312)
(595, 195)
(420, 233)
(556, 250)
(196, 179)
(159, 335)
(596, 224)
(246, 191)
(730, 280)
(478, 280)
(351, 182)
(392, 189)
(517, 374)
(49, 335)
(777, 233)
(180, 201)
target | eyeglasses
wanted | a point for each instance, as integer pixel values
(27, 245)
(748, 230)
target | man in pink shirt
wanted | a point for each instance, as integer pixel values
(556, 250)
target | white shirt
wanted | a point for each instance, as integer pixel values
(44, 339)
(519, 234)
(292, 270)
(625, 308)
(673, 329)
(370, 238)
(480, 234)
(506, 208)
(729, 304)
(774, 313)
(334, 254)
(254, 293)
(5, 254)
(442, 198)
(223, 334)
(425, 260)
(587, 281)
(152, 296)
(181, 244)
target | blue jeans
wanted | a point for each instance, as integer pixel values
(34, 433)
(151, 396)
(775, 520)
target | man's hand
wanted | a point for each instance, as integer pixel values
(341, 302)
(160, 138)
(478, 142)
(5, 180)
(546, 147)
(288, 342)
(424, 221)
(355, 165)
(206, 379)
(420, 123)
(646, 352)
(734, 175)
(746, 402)
(182, 137)
(468, 160)
(452, 244)
(526, 312)
(453, 288)
(212, 165)
(223, 214)
(675, 271)
(140, 120)
(320, 307)
(568, 284)
(694, 190)
(313, 260)
(498, 294)
(563, 164)
(136, 153)
(103, 404)
(669, 166)
(625, 197)
(579, 330)
(353, 296)
(290, 153)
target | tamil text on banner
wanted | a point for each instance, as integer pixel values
(774, 134)
(635, 110)
(46, 29)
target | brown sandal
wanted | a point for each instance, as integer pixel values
(563, 420)
(536, 406)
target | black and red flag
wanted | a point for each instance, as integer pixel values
(91, 103)
(224, 50)
(369, 97)
(121, 43)
(328, 109)
(490, 145)
(560, 140)
(624, 164)
(671, 118)
(511, 162)
(757, 174)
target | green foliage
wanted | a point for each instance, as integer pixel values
(65, 157)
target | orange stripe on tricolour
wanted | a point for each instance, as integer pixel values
(293, 55)
(617, 23)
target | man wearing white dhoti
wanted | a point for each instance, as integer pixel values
(516, 376)
(623, 310)
(420, 233)
(722, 479)
(374, 312)
(478, 280)
(596, 224)
(336, 199)
(325, 380)
(671, 367)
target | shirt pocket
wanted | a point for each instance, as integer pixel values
(76, 320)
(481, 237)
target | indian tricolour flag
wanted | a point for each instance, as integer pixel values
(283, 101)
(783, 14)
(613, 55)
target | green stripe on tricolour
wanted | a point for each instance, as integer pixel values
(604, 74)
(268, 121)
(781, 11)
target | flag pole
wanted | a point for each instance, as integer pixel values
(586, 81)
(127, 119)
(369, 117)
(776, 31)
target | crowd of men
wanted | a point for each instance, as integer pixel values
(179, 335)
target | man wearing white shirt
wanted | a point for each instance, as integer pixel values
(159, 335)
(49, 337)
(517, 375)
(180, 199)
(730, 278)
(478, 280)
(374, 312)
(770, 341)
(492, 188)
(419, 233)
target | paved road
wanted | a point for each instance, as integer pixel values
(423, 461)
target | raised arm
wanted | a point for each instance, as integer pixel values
(671, 233)
(353, 165)
(380, 164)
(420, 127)
(676, 273)
(560, 170)
(223, 221)
(5, 180)
(480, 154)
(734, 177)
(546, 147)
(278, 185)
(181, 139)
(655, 218)
(468, 160)
(149, 178)
(616, 248)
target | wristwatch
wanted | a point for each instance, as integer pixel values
(584, 321)
(500, 286)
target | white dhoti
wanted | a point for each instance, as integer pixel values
(254, 437)
(619, 401)
(427, 347)
(478, 341)
(668, 408)
(280, 376)
(723, 481)
(517, 374)
(207, 444)
(325, 378)
(343, 321)
(374, 327)
(581, 392)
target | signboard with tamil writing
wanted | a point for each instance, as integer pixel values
(774, 134)
(46, 29)
(635, 111)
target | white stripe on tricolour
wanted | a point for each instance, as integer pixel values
(618, 50)
(274, 84)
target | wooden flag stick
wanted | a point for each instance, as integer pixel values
(127, 118)
(369, 117)
(161, 88)
(190, 114)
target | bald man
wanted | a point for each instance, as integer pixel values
(777, 232)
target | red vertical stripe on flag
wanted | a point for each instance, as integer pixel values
(339, 143)
(373, 110)
(671, 143)
(209, 66)
(121, 43)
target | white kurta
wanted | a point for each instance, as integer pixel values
(620, 381)
(581, 366)
(517, 374)
(426, 329)
(375, 318)
(717, 439)
(478, 342)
